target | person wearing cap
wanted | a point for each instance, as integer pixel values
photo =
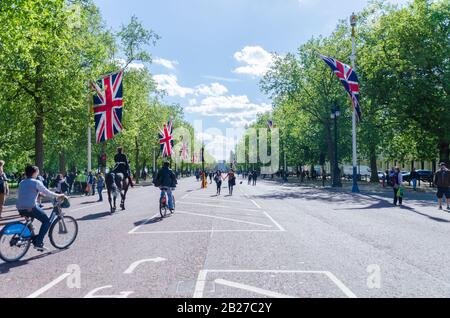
(442, 182)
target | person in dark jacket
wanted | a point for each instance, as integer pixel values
(166, 180)
(442, 181)
(122, 165)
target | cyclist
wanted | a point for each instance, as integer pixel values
(166, 180)
(29, 190)
(122, 165)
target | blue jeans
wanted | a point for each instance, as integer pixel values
(100, 195)
(414, 182)
(169, 194)
(38, 214)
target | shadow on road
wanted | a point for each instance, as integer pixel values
(377, 200)
(6, 267)
(95, 216)
(156, 219)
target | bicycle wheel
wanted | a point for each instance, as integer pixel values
(173, 200)
(63, 232)
(163, 210)
(12, 248)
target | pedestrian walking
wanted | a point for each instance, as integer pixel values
(254, 177)
(218, 180)
(4, 189)
(100, 186)
(396, 179)
(414, 177)
(231, 181)
(90, 183)
(442, 181)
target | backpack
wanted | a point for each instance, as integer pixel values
(392, 180)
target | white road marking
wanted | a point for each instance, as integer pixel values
(185, 196)
(49, 285)
(123, 294)
(222, 218)
(201, 280)
(275, 222)
(251, 289)
(218, 206)
(200, 285)
(203, 231)
(133, 266)
(256, 204)
(341, 285)
(216, 199)
(144, 223)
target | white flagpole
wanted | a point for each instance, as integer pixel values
(89, 149)
(355, 188)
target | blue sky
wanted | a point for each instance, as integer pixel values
(212, 53)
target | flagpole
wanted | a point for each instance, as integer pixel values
(89, 148)
(355, 188)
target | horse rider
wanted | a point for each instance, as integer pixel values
(122, 165)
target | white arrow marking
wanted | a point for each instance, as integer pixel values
(123, 294)
(136, 264)
(251, 289)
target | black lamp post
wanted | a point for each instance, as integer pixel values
(337, 183)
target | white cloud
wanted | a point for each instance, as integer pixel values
(237, 111)
(215, 89)
(166, 63)
(169, 83)
(257, 61)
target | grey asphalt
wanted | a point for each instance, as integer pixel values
(271, 240)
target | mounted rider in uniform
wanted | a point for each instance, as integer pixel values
(122, 165)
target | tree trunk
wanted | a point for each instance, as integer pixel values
(444, 152)
(62, 162)
(39, 134)
(138, 172)
(38, 123)
(373, 165)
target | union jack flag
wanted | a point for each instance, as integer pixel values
(348, 78)
(184, 151)
(108, 106)
(166, 139)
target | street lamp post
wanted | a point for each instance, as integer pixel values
(355, 188)
(335, 113)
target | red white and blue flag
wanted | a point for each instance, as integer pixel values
(348, 78)
(184, 152)
(166, 139)
(108, 106)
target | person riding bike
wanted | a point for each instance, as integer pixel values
(166, 180)
(122, 165)
(29, 190)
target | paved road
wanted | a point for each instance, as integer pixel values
(265, 241)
